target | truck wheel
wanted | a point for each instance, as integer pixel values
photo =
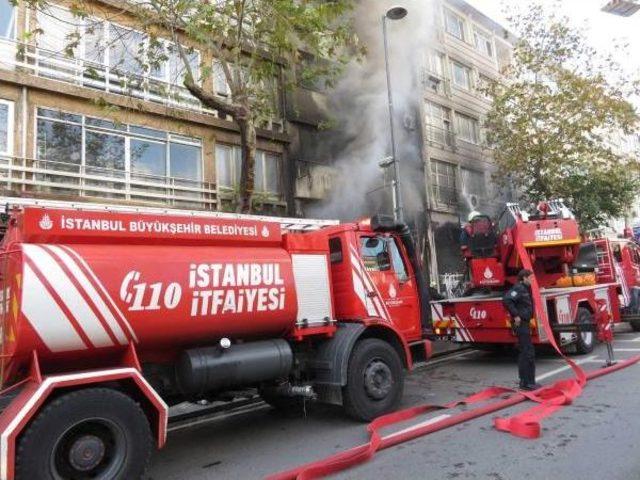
(586, 340)
(375, 380)
(95, 433)
(635, 325)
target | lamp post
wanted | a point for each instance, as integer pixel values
(394, 13)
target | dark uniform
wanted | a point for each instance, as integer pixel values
(519, 302)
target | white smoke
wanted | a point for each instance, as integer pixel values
(360, 108)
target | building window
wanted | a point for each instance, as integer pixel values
(438, 121)
(443, 183)
(8, 13)
(127, 157)
(6, 127)
(473, 185)
(483, 42)
(266, 174)
(435, 63)
(454, 24)
(467, 128)
(228, 165)
(220, 84)
(116, 58)
(461, 75)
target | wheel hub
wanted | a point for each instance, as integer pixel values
(86, 453)
(377, 380)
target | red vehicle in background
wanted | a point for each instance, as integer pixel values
(110, 314)
(548, 242)
(618, 260)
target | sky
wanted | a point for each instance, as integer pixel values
(602, 26)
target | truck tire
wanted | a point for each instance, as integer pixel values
(635, 325)
(375, 380)
(586, 340)
(94, 433)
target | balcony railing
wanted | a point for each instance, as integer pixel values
(18, 56)
(27, 175)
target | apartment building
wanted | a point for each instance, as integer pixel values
(72, 126)
(467, 51)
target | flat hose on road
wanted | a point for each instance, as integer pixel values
(525, 424)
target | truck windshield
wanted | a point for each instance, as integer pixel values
(375, 254)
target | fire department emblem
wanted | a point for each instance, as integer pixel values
(265, 231)
(488, 273)
(392, 291)
(45, 222)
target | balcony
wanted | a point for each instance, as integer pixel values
(22, 57)
(26, 176)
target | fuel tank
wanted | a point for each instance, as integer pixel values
(76, 284)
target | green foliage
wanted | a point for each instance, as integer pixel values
(553, 115)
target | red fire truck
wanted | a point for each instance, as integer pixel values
(618, 260)
(109, 315)
(548, 242)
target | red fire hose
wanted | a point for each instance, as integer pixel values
(525, 424)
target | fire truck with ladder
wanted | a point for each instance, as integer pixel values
(580, 284)
(111, 314)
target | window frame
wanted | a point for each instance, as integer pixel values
(12, 25)
(396, 246)
(436, 59)
(488, 42)
(168, 139)
(261, 156)
(448, 13)
(464, 68)
(436, 185)
(10, 126)
(481, 176)
(475, 128)
(107, 46)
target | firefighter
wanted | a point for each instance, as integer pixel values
(465, 234)
(519, 303)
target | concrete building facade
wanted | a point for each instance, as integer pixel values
(468, 51)
(87, 122)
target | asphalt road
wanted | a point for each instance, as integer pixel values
(595, 438)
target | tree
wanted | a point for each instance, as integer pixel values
(553, 116)
(255, 44)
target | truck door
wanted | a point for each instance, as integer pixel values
(386, 266)
(633, 272)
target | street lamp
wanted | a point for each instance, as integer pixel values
(394, 13)
(623, 8)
